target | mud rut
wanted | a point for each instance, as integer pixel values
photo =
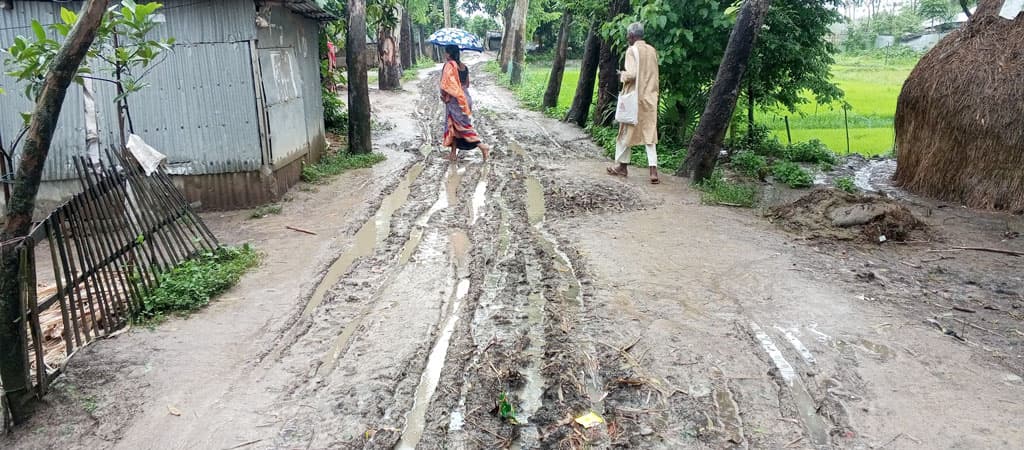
(455, 292)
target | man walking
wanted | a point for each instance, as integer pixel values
(641, 75)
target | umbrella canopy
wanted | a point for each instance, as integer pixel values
(454, 36)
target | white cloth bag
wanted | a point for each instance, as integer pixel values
(628, 107)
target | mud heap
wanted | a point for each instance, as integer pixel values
(833, 214)
(573, 197)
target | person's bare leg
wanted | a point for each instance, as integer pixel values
(652, 162)
(452, 154)
(486, 149)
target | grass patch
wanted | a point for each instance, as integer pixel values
(265, 210)
(413, 72)
(792, 175)
(846, 184)
(750, 164)
(333, 164)
(190, 285)
(716, 190)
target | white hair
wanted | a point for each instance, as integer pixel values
(636, 29)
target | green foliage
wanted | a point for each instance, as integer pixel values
(505, 408)
(29, 58)
(335, 114)
(190, 285)
(760, 141)
(716, 190)
(937, 10)
(812, 151)
(792, 60)
(265, 210)
(414, 71)
(336, 163)
(862, 35)
(750, 164)
(791, 174)
(480, 25)
(846, 184)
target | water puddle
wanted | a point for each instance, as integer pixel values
(875, 350)
(371, 234)
(807, 408)
(416, 418)
(452, 179)
(797, 345)
(517, 149)
(480, 195)
(534, 200)
(729, 415)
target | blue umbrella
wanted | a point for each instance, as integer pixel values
(454, 36)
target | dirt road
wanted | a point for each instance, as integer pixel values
(433, 290)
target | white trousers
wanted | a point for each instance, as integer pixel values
(623, 153)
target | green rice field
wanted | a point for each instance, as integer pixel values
(871, 85)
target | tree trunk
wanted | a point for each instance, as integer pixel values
(608, 77)
(415, 38)
(358, 89)
(558, 67)
(23, 202)
(967, 10)
(507, 38)
(405, 42)
(447, 14)
(390, 72)
(707, 140)
(580, 109)
(518, 61)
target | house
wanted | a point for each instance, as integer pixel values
(236, 106)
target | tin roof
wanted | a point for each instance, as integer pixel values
(309, 8)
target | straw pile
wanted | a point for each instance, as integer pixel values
(959, 135)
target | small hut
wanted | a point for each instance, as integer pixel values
(959, 135)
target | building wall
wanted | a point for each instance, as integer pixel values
(199, 109)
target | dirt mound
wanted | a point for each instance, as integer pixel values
(579, 197)
(833, 214)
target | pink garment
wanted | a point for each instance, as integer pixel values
(331, 57)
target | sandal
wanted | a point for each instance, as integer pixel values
(613, 171)
(655, 181)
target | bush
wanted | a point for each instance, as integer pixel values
(335, 114)
(750, 164)
(190, 285)
(846, 184)
(717, 191)
(761, 141)
(791, 174)
(812, 151)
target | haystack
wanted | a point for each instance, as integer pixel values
(960, 117)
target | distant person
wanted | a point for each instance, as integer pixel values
(641, 75)
(458, 132)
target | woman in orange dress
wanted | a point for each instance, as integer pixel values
(458, 123)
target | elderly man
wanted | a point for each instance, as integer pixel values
(641, 75)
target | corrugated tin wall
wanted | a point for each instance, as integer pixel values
(200, 109)
(289, 53)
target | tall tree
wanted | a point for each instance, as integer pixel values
(406, 45)
(515, 35)
(447, 14)
(608, 76)
(506, 37)
(358, 86)
(518, 61)
(384, 15)
(62, 72)
(558, 66)
(579, 112)
(707, 140)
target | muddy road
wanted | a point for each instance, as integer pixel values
(435, 293)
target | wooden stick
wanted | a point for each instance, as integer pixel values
(300, 230)
(992, 250)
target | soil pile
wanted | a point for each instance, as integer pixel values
(833, 214)
(572, 197)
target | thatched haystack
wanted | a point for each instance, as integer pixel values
(960, 117)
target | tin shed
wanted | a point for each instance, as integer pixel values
(236, 106)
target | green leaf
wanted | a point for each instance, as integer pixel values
(26, 117)
(68, 16)
(39, 30)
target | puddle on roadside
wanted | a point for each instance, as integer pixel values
(372, 233)
(453, 176)
(534, 200)
(814, 424)
(460, 251)
(517, 149)
(879, 351)
(729, 415)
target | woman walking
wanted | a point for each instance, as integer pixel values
(458, 132)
